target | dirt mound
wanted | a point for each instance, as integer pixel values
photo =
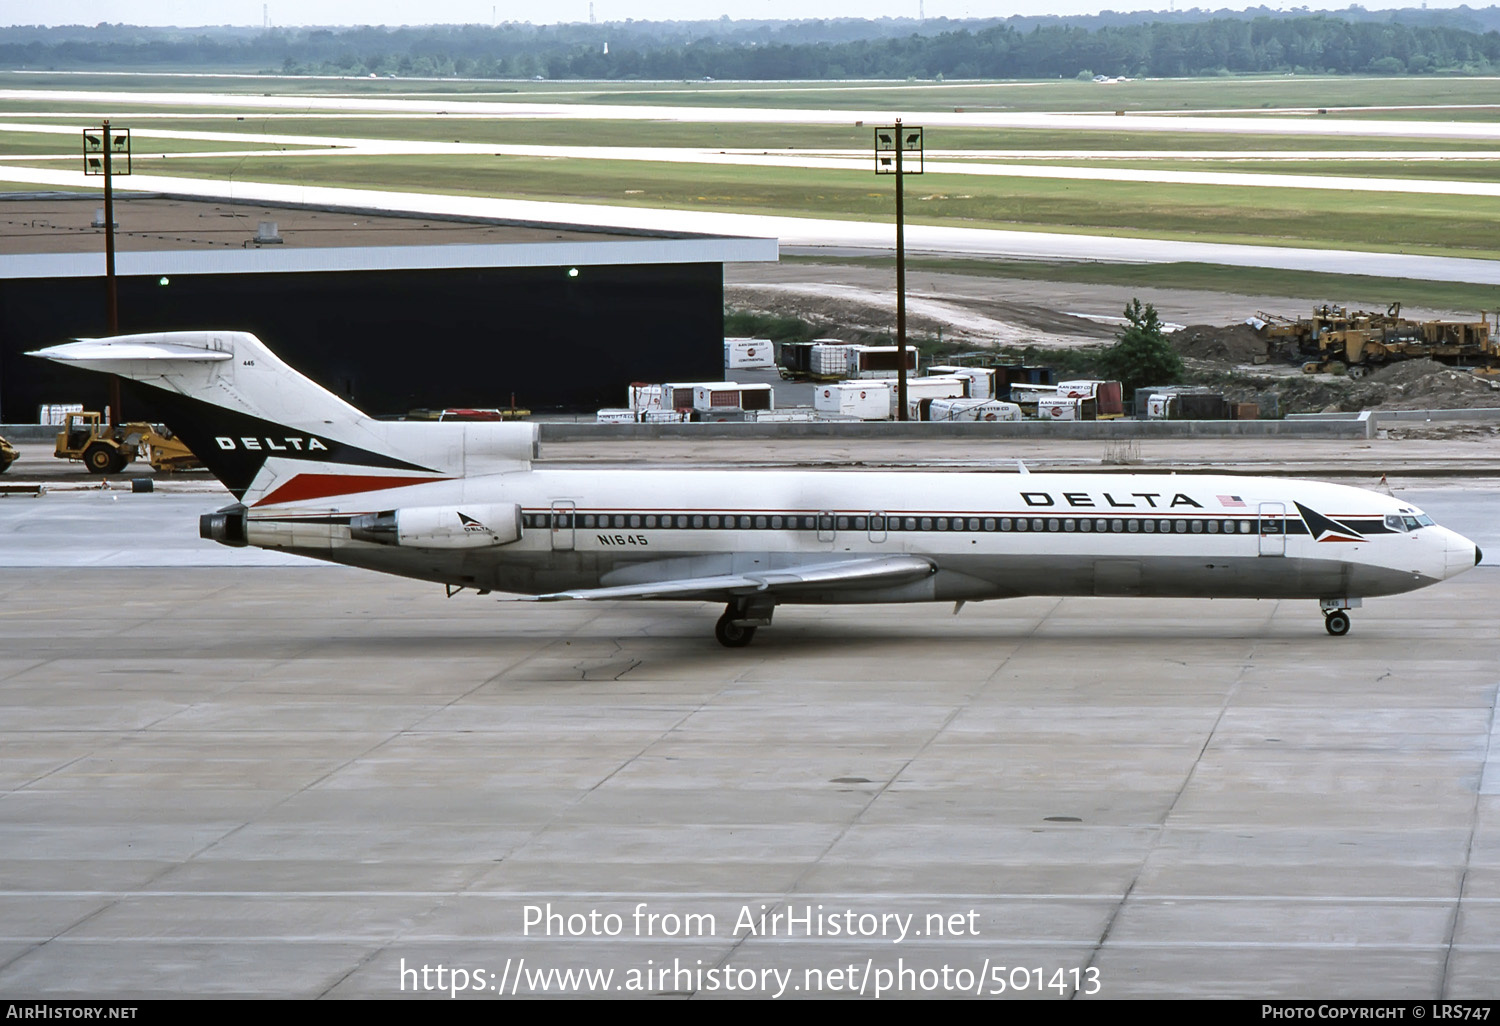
(1426, 385)
(1409, 385)
(1232, 343)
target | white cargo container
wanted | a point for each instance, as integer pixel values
(727, 394)
(749, 354)
(1032, 393)
(646, 397)
(928, 388)
(1058, 407)
(972, 409)
(865, 400)
(56, 414)
(981, 379)
(829, 360)
(1160, 406)
(1083, 389)
(880, 362)
(793, 415)
(615, 417)
(678, 395)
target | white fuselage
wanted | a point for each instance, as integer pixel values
(988, 535)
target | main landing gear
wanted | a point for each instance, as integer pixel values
(1335, 619)
(736, 627)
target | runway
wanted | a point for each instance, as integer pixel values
(295, 781)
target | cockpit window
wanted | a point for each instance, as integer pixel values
(1425, 520)
(1394, 522)
(1411, 523)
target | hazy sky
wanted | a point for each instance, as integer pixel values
(426, 12)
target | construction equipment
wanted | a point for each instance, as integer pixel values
(107, 449)
(8, 455)
(1335, 340)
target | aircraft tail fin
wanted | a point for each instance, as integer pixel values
(273, 435)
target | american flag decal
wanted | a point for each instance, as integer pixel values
(1231, 501)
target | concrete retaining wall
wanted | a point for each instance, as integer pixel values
(1359, 427)
(1486, 413)
(1102, 429)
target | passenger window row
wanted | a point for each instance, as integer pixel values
(777, 522)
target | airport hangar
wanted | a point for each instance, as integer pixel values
(393, 312)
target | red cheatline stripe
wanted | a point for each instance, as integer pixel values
(316, 486)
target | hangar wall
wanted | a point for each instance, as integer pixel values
(394, 340)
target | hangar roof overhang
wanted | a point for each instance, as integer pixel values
(55, 236)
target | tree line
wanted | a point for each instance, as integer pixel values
(1014, 48)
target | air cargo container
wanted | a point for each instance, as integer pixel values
(1027, 396)
(829, 359)
(1057, 407)
(722, 415)
(725, 394)
(1107, 395)
(664, 416)
(1011, 374)
(615, 417)
(880, 362)
(981, 379)
(794, 415)
(866, 400)
(928, 388)
(1203, 406)
(1145, 393)
(972, 409)
(796, 357)
(749, 354)
(678, 395)
(646, 397)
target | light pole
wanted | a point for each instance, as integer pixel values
(891, 143)
(100, 146)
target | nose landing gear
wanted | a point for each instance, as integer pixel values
(1335, 619)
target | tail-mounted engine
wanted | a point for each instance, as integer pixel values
(441, 527)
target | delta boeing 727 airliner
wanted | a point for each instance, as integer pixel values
(461, 505)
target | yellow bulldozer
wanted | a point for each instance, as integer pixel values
(109, 449)
(1338, 340)
(8, 455)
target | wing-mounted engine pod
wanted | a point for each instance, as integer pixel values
(227, 526)
(483, 525)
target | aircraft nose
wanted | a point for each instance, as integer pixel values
(1461, 554)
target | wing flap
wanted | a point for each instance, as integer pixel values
(848, 573)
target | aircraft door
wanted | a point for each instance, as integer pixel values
(1272, 529)
(826, 526)
(563, 519)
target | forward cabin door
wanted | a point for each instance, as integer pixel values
(1273, 529)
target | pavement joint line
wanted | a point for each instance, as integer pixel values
(1156, 833)
(1492, 750)
(1490, 780)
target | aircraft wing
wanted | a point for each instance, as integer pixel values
(848, 573)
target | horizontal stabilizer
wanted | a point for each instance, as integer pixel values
(96, 354)
(848, 573)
